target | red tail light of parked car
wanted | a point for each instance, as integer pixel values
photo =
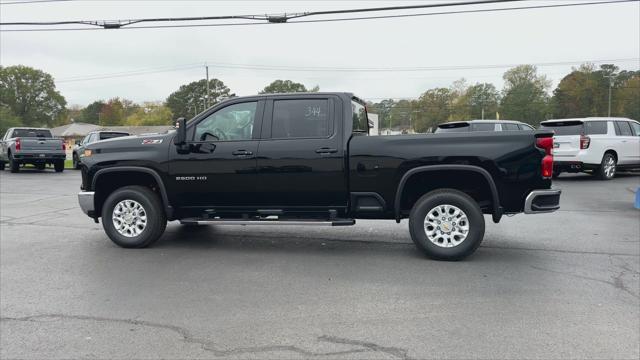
(546, 143)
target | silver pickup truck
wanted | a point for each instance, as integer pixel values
(34, 146)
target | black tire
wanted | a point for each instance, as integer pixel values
(76, 162)
(462, 201)
(605, 172)
(155, 215)
(2, 165)
(41, 166)
(58, 166)
(13, 164)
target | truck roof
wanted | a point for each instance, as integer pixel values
(603, 118)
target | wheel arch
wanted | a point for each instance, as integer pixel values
(495, 198)
(142, 173)
(612, 152)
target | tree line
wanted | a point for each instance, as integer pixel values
(28, 97)
(526, 96)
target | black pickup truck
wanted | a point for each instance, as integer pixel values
(308, 159)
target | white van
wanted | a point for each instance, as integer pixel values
(600, 146)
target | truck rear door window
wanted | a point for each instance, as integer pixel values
(300, 118)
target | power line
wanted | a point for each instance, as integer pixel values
(272, 19)
(31, 2)
(318, 69)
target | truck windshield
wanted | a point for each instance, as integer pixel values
(360, 120)
(27, 133)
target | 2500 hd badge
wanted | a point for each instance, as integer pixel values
(268, 160)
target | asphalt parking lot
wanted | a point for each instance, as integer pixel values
(562, 285)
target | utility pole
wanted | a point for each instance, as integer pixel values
(483, 113)
(610, 86)
(207, 70)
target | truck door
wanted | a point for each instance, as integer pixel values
(301, 162)
(219, 171)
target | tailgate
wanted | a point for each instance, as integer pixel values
(566, 145)
(39, 144)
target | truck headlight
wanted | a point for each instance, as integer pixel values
(87, 153)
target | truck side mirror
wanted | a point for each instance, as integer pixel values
(181, 129)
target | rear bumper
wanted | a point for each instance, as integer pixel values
(542, 201)
(572, 166)
(85, 199)
(36, 156)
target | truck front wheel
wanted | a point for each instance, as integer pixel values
(133, 217)
(446, 225)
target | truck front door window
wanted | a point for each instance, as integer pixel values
(232, 123)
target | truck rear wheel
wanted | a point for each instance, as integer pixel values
(13, 164)
(133, 217)
(607, 169)
(58, 166)
(446, 224)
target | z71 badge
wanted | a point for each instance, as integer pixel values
(151, 141)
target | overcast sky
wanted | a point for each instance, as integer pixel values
(586, 33)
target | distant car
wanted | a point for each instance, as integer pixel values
(94, 136)
(482, 125)
(35, 146)
(599, 146)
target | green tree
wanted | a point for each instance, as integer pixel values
(31, 95)
(482, 99)
(525, 95)
(383, 109)
(115, 111)
(432, 108)
(627, 98)
(583, 92)
(189, 99)
(286, 86)
(8, 119)
(91, 114)
(151, 114)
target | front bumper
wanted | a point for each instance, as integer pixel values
(85, 199)
(542, 201)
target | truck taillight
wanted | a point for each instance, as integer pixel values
(546, 167)
(584, 142)
(18, 145)
(64, 146)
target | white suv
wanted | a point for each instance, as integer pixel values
(596, 145)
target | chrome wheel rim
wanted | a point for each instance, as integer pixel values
(609, 167)
(446, 226)
(129, 218)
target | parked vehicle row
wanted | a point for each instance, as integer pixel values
(307, 159)
(597, 145)
(35, 146)
(92, 137)
(482, 125)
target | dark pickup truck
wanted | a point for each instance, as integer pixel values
(308, 159)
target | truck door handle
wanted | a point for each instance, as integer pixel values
(242, 152)
(326, 150)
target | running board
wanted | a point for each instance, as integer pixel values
(336, 222)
